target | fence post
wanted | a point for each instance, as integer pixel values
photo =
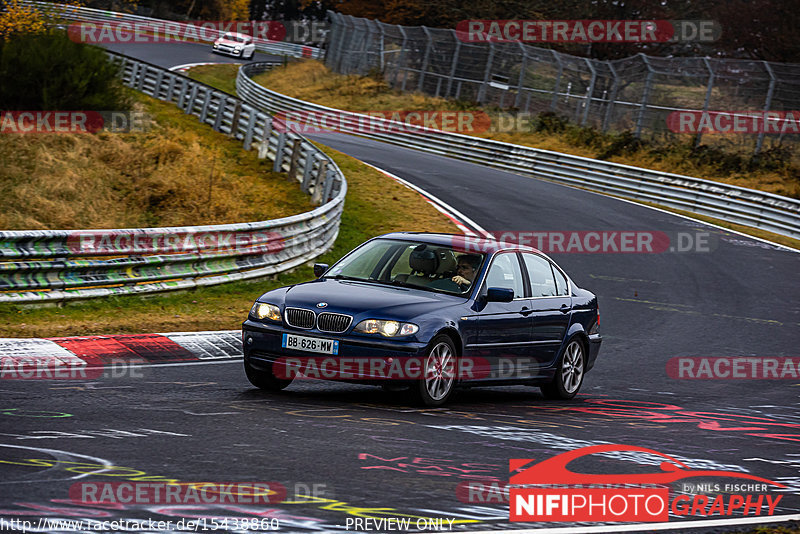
(486, 73)
(588, 101)
(767, 105)
(276, 166)
(557, 86)
(382, 46)
(334, 41)
(425, 59)
(521, 79)
(403, 46)
(453, 64)
(611, 97)
(645, 96)
(237, 112)
(326, 189)
(707, 101)
(363, 61)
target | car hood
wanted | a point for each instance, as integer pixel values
(377, 300)
(228, 42)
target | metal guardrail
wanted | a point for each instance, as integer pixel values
(739, 205)
(148, 24)
(61, 265)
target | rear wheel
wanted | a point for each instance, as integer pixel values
(265, 379)
(438, 373)
(569, 375)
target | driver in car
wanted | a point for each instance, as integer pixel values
(467, 269)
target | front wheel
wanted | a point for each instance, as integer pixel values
(438, 373)
(265, 379)
(569, 375)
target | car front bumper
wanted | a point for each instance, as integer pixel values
(359, 358)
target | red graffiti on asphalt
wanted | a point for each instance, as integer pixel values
(432, 466)
(656, 412)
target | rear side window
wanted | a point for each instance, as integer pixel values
(540, 274)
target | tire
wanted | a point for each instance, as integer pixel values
(569, 374)
(438, 373)
(265, 380)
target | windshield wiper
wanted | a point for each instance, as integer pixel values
(346, 277)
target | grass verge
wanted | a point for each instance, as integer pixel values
(375, 204)
(178, 172)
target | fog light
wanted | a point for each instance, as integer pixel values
(249, 340)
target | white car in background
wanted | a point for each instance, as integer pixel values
(235, 44)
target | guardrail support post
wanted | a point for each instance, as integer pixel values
(157, 86)
(170, 88)
(329, 179)
(248, 132)
(206, 103)
(307, 168)
(322, 172)
(292, 174)
(222, 104)
(276, 166)
(192, 98)
(237, 112)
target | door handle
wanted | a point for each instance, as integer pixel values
(525, 311)
(565, 308)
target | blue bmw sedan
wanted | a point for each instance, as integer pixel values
(430, 312)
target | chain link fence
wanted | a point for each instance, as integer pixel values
(636, 94)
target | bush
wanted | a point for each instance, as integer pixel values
(48, 71)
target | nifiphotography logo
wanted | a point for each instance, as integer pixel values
(548, 491)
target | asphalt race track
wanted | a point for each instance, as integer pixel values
(347, 452)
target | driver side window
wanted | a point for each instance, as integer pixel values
(505, 272)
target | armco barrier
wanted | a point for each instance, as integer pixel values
(61, 265)
(739, 205)
(148, 24)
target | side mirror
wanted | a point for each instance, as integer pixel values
(499, 294)
(320, 268)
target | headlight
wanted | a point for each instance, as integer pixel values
(262, 310)
(237, 49)
(386, 328)
(216, 45)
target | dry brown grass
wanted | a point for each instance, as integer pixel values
(178, 173)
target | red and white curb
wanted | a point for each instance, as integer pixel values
(97, 351)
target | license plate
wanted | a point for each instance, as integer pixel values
(310, 344)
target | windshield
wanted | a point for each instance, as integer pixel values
(438, 268)
(234, 38)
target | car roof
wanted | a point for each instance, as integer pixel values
(459, 241)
